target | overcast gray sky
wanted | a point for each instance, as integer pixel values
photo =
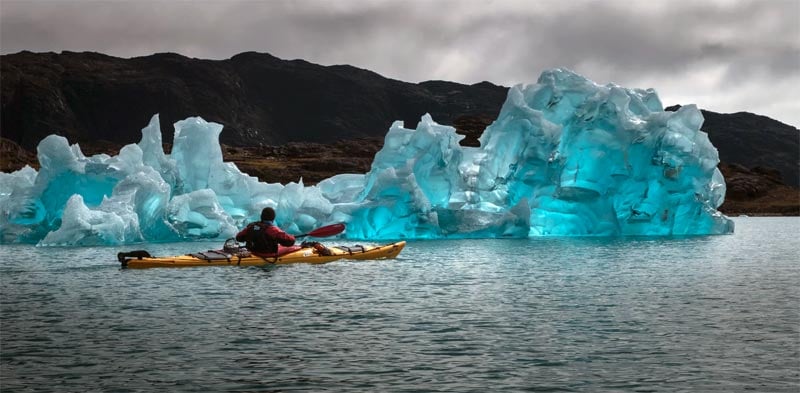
(724, 55)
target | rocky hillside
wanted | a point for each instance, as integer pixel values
(270, 106)
(260, 99)
(752, 140)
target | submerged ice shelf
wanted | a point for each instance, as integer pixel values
(565, 157)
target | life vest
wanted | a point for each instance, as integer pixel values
(258, 240)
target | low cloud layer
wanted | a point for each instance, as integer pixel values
(724, 55)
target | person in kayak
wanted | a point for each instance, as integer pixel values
(263, 237)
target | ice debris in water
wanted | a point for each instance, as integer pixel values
(565, 157)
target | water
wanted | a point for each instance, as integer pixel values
(693, 314)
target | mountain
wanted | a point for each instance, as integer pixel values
(752, 140)
(259, 98)
(102, 101)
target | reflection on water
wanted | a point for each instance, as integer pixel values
(693, 314)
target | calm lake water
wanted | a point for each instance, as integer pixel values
(693, 314)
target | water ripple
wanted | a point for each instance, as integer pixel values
(544, 315)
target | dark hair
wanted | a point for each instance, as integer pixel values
(268, 214)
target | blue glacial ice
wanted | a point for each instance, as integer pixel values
(565, 157)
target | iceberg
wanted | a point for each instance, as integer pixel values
(565, 157)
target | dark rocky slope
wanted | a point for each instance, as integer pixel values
(290, 119)
(260, 99)
(753, 140)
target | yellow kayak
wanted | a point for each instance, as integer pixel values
(314, 253)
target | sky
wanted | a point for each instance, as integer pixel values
(723, 55)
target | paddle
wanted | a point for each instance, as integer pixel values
(328, 230)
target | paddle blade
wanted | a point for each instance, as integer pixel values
(328, 230)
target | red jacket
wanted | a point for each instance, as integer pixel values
(264, 237)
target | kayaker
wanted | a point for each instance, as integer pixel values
(263, 236)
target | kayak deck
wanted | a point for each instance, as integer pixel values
(310, 254)
(357, 252)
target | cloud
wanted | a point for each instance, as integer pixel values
(724, 55)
